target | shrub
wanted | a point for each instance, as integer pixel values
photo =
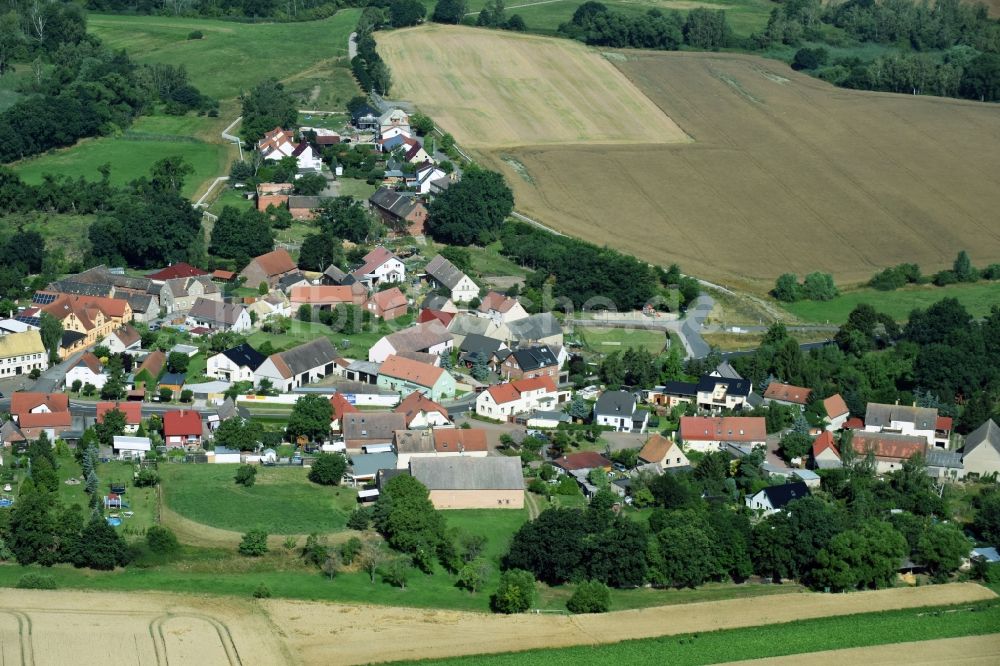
(515, 593)
(262, 591)
(161, 539)
(806, 58)
(590, 597)
(359, 520)
(33, 581)
(246, 475)
(328, 469)
(350, 550)
(145, 478)
(196, 34)
(254, 543)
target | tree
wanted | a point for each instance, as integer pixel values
(685, 555)
(266, 106)
(459, 256)
(473, 575)
(178, 362)
(515, 594)
(51, 330)
(246, 475)
(590, 597)
(819, 287)
(579, 409)
(30, 534)
(319, 251)
(786, 288)
(941, 548)
(370, 558)
(254, 543)
(101, 547)
(795, 445)
(404, 13)
(310, 419)
(241, 234)
(238, 434)
(472, 210)
(112, 423)
(863, 558)
(449, 11)
(344, 217)
(963, 269)
(309, 184)
(987, 517)
(806, 58)
(409, 522)
(328, 469)
(166, 395)
(360, 519)
(516, 23)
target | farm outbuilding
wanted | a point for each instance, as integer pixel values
(471, 483)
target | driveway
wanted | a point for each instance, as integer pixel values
(53, 378)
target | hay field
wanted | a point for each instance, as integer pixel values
(968, 651)
(494, 89)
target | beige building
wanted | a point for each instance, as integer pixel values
(180, 294)
(92, 317)
(471, 483)
(20, 353)
(981, 454)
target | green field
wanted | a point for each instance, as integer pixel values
(302, 332)
(230, 197)
(357, 188)
(282, 501)
(62, 231)
(978, 298)
(235, 56)
(607, 340)
(773, 640)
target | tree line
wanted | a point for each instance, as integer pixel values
(594, 23)
(962, 270)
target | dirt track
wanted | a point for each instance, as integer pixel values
(968, 651)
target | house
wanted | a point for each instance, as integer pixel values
(273, 194)
(414, 153)
(30, 402)
(298, 366)
(837, 412)
(131, 410)
(475, 347)
(366, 467)
(824, 452)
(182, 429)
(327, 297)
(387, 304)
(726, 371)
(321, 136)
(277, 144)
(303, 207)
(658, 450)
(439, 443)
(544, 419)
(150, 368)
(53, 424)
(501, 308)
(618, 410)
(438, 303)
(223, 276)
(718, 393)
(424, 177)
(365, 430)
(179, 294)
(441, 273)
(236, 364)
(20, 353)
(217, 316)
(87, 370)
(91, 317)
(130, 448)
(464, 323)
(786, 394)
(981, 454)
(538, 329)
(430, 337)
(123, 339)
(583, 461)
(405, 376)
(268, 268)
(292, 280)
(307, 160)
(380, 266)
(530, 362)
(890, 449)
(175, 272)
(334, 276)
(422, 412)
(145, 307)
(671, 394)
(774, 498)
(709, 433)
(341, 406)
(904, 420)
(8, 326)
(365, 372)
(11, 435)
(275, 304)
(504, 401)
(393, 119)
(401, 212)
(174, 381)
(471, 483)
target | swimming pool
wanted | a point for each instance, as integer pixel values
(114, 521)
(4, 502)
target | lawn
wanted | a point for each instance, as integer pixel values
(64, 231)
(764, 641)
(726, 342)
(233, 57)
(9, 83)
(607, 340)
(357, 188)
(282, 501)
(230, 197)
(301, 332)
(141, 501)
(978, 298)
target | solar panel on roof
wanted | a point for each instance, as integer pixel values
(31, 321)
(43, 299)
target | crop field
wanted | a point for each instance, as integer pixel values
(493, 89)
(783, 173)
(970, 650)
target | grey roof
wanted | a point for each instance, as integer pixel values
(444, 272)
(100, 275)
(707, 383)
(395, 203)
(243, 355)
(229, 409)
(364, 367)
(615, 403)
(435, 302)
(304, 202)
(367, 464)
(467, 324)
(781, 495)
(828, 464)
(386, 475)
(360, 388)
(939, 458)
(181, 286)
(533, 358)
(882, 416)
(309, 355)
(293, 278)
(82, 288)
(172, 378)
(337, 276)
(562, 417)
(727, 371)
(465, 473)
(414, 441)
(987, 434)
(138, 302)
(475, 343)
(374, 427)
(419, 337)
(535, 327)
(216, 311)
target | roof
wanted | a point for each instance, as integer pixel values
(781, 495)
(172, 379)
(127, 335)
(182, 286)
(417, 402)
(364, 367)
(414, 441)
(655, 449)
(787, 393)
(367, 464)
(435, 301)
(419, 337)
(474, 343)
(22, 402)
(444, 272)
(388, 299)
(535, 327)
(131, 443)
(321, 294)
(45, 420)
(377, 426)
(373, 260)
(944, 423)
(275, 263)
(131, 410)
(512, 391)
(305, 202)
(178, 270)
(985, 436)
(181, 423)
(723, 429)
(341, 406)
(421, 357)
(738, 387)
(613, 403)
(582, 460)
(888, 445)
(727, 371)
(19, 344)
(243, 355)
(533, 358)
(414, 372)
(70, 338)
(291, 279)
(464, 440)
(680, 388)
(220, 274)
(835, 406)
(464, 323)
(10, 433)
(153, 363)
(226, 314)
(397, 204)
(989, 554)
(440, 316)
(854, 423)
(936, 457)
(824, 442)
(90, 361)
(494, 300)
(305, 357)
(882, 416)
(463, 473)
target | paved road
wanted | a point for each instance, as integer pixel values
(53, 378)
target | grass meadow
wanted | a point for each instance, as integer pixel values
(977, 297)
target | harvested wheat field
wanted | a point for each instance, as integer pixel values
(968, 651)
(493, 89)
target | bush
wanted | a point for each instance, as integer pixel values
(246, 475)
(196, 34)
(515, 593)
(590, 597)
(161, 539)
(350, 550)
(806, 58)
(359, 520)
(33, 581)
(567, 486)
(262, 591)
(145, 478)
(254, 543)
(328, 469)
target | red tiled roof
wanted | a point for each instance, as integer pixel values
(132, 411)
(835, 406)
(854, 424)
(178, 270)
(153, 363)
(341, 406)
(415, 372)
(23, 402)
(388, 299)
(45, 420)
(417, 402)
(181, 423)
(502, 393)
(582, 460)
(427, 315)
(824, 442)
(533, 384)
(321, 294)
(373, 260)
(494, 300)
(655, 449)
(276, 200)
(787, 393)
(276, 262)
(943, 423)
(723, 429)
(886, 445)
(225, 276)
(92, 362)
(459, 439)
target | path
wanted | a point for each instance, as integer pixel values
(201, 201)
(352, 46)
(527, 4)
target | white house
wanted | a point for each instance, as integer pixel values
(298, 366)
(443, 273)
(837, 412)
(908, 420)
(394, 120)
(774, 498)
(235, 365)
(430, 337)
(277, 144)
(124, 339)
(421, 412)
(130, 448)
(87, 370)
(504, 401)
(718, 393)
(219, 316)
(20, 353)
(618, 410)
(424, 176)
(709, 433)
(381, 266)
(663, 452)
(501, 309)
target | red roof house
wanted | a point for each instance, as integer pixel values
(582, 460)
(178, 270)
(131, 410)
(388, 304)
(182, 428)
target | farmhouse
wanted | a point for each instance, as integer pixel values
(326, 297)
(387, 304)
(504, 401)
(981, 454)
(405, 376)
(908, 420)
(471, 483)
(131, 410)
(618, 410)
(824, 452)
(890, 449)
(400, 212)
(500, 308)
(217, 316)
(530, 362)
(182, 429)
(268, 268)
(430, 337)
(179, 294)
(380, 266)
(87, 370)
(786, 394)
(298, 366)
(375, 430)
(422, 412)
(774, 498)
(236, 364)
(837, 412)
(441, 273)
(703, 433)
(20, 353)
(123, 339)
(663, 452)
(24, 402)
(718, 393)
(91, 317)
